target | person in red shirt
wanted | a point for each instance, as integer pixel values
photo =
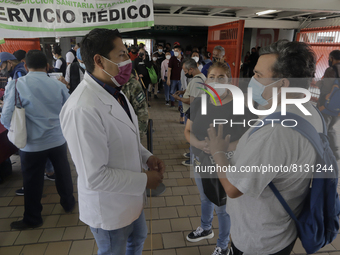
(133, 54)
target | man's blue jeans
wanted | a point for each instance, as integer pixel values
(166, 91)
(175, 86)
(207, 209)
(128, 240)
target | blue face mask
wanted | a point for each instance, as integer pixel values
(258, 89)
(82, 65)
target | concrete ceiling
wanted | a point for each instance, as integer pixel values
(290, 14)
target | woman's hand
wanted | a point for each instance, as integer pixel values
(204, 147)
(215, 142)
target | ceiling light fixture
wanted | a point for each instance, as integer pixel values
(265, 12)
(322, 18)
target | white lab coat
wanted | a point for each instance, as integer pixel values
(106, 150)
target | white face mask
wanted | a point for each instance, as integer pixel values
(168, 56)
(160, 50)
(154, 59)
(55, 57)
(176, 53)
(196, 59)
(219, 91)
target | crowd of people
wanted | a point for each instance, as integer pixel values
(98, 109)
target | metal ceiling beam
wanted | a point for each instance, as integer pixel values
(287, 15)
(184, 10)
(205, 21)
(217, 10)
(174, 9)
(289, 5)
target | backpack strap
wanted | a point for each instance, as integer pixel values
(303, 127)
(307, 130)
(282, 201)
(335, 68)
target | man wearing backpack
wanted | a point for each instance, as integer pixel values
(260, 225)
(325, 85)
(74, 73)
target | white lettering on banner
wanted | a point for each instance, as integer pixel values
(41, 16)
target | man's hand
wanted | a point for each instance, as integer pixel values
(156, 164)
(203, 145)
(216, 142)
(154, 179)
(176, 97)
(168, 82)
(62, 79)
(141, 75)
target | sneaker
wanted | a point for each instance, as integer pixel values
(167, 103)
(219, 251)
(172, 104)
(186, 163)
(20, 192)
(200, 234)
(49, 177)
(186, 155)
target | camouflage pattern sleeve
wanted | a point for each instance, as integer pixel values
(134, 92)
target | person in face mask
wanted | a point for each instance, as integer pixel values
(101, 129)
(60, 63)
(140, 65)
(249, 197)
(133, 53)
(174, 75)
(157, 67)
(195, 133)
(164, 76)
(160, 54)
(196, 56)
(11, 67)
(218, 56)
(325, 86)
(74, 73)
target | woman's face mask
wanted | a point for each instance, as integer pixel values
(168, 56)
(196, 59)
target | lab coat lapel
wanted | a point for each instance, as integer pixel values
(117, 111)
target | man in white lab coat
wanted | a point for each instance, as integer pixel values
(101, 129)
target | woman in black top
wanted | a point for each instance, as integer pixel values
(60, 63)
(195, 133)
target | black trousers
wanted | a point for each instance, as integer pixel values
(33, 168)
(330, 122)
(285, 251)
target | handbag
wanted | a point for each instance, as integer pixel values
(17, 133)
(212, 186)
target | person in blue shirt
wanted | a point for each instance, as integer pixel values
(218, 56)
(10, 66)
(42, 98)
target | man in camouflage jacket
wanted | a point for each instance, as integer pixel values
(134, 92)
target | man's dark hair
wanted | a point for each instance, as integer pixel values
(335, 54)
(294, 60)
(97, 41)
(57, 50)
(207, 54)
(168, 44)
(36, 59)
(20, 54)
(189, 63)
(78, 44)
(178, 47)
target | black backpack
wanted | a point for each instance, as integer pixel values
(75, 76)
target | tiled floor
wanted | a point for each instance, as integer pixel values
(174, 214)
